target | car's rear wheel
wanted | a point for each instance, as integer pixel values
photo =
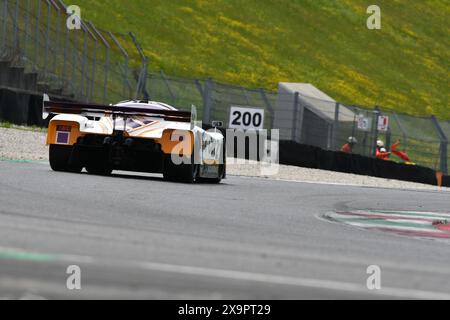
(60, 158)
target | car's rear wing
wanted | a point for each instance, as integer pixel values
(95, 110)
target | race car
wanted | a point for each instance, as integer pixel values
(135, 135)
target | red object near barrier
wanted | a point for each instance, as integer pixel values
(401, 154)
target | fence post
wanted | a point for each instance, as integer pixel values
(376, 113)
(245, 95)
(94, 66)
(354, 127)
(269, 107)
(199, 87)
(16, 26)
(400, 125)
(335, 137)
(5, 17)
(47, 36)
(74, 60)
(107, 66)
(83, 84)
(58, 36)
(27, 23)
(90, 87)
(66, 43)
(166, 81)
(142, 82)
(107, 61)
(126, 82)
(388, 132)
(36, 45)
(443, 147)
(61, 6)
(295, 117)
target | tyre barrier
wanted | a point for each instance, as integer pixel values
(21, 108)
(292, 153)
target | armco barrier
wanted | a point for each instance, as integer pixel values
(26, 108)
(292, 153)
(21, 107)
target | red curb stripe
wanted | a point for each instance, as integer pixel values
(445, 227)
(441, 235)
(379, 216)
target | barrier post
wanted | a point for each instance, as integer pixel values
(402, 129)
(207, 100)
(75, 40)
(27, 23)
(47, 37)
(4, 17)
(90, 86)
(388, 132)
(199, 87)
(335, 138)
(36, 45)
(169, 88)
(375, 133)
(63, 9)
(16, 27)
(107, 60)
(443, 154)
(57, 49)
(295, 117)
(268, 106)
(83, 84)
(126, 83)
(245, 95)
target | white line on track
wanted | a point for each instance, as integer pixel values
(258, 277)
(293, 281)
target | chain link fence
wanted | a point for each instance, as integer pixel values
(87, 64)
(92, 65)
(309, 120)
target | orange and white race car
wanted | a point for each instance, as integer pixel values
(136, 135)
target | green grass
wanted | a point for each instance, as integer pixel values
(257, 43)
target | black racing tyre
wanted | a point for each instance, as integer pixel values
(59, 156)
(186, 173)
(214, 180)
(98, 170)
(222, 170)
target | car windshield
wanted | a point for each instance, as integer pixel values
(150, 105)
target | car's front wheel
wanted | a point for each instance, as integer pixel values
(221, 174)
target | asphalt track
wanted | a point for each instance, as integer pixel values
(137, 236)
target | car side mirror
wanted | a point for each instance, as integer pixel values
(217, 124)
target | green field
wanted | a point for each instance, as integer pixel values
(257, 43)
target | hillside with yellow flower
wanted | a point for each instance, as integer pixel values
(258, 43)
